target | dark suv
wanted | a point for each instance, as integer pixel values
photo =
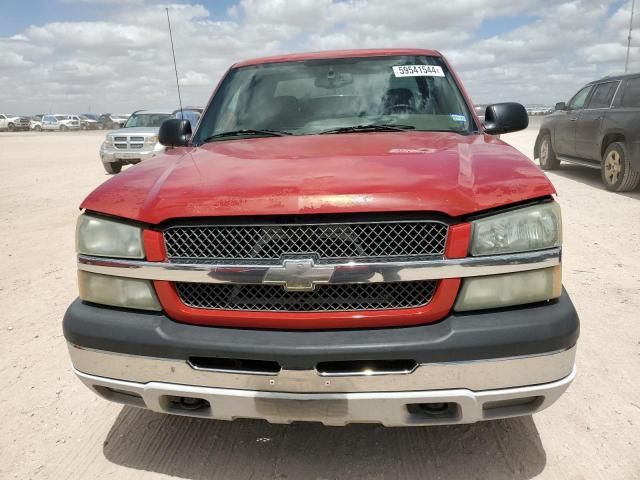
(598, 128)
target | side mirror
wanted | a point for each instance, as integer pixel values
(175, 132)
(561, 106)
(504, 118)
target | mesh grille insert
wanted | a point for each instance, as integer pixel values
(325, 298)
(326, 241)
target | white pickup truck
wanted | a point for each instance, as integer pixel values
(13, 122)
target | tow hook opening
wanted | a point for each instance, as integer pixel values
(176, 404)
(435, 410)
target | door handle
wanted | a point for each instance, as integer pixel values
(573, 119)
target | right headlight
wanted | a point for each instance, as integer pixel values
(117, 291)
(107, 238)
(525, 229)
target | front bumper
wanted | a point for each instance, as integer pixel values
(403, 408)
(109, 155)
(480, 365)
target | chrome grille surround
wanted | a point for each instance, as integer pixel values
(325, 298)
(323, 241)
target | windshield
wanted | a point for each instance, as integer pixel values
(187, 114)
(316, 96)
(146, 119)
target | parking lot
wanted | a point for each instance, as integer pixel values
(54, 427)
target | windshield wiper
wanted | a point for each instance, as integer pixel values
(247, 132)
(375, 127)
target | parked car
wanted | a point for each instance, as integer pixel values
(340, 241)
(60, 122)
(35, 123)
(90, 122)
(137, 141)
(192, 114)
(13, 122)
(598, 128)
(111, 121)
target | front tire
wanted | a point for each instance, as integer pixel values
(616, 172)
(37, 128)
(63, 128)
(112, 168)
(11, 127)
(548, 159)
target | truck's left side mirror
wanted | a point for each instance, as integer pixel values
(175, 132)
(505, 117)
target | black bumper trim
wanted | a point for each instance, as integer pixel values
(531, 330)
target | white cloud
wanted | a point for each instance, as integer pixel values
(123, 62)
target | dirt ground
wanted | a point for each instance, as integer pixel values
(55, 428)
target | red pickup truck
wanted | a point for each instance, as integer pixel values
(339, 240)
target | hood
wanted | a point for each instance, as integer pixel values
(362, 172)
(135, 131)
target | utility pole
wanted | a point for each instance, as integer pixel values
(626, 62)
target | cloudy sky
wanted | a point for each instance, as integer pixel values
(114, 55)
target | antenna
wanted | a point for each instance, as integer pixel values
(626, 62)
(175, 66)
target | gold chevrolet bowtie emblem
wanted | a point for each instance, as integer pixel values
(298, 275)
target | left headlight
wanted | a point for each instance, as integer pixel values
(525, 229)
(107, 238)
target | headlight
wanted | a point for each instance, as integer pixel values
(496, 291)
(117, 291)
(106, 238)
(152, 140)
(525, 229)
(108, 140)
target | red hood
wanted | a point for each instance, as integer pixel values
(361, 172)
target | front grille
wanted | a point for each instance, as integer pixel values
(325, 298)
(330, 241)
(119, 139)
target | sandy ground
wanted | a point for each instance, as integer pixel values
(55, 428)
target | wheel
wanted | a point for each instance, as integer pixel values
(63, 128)
(37, 128)
(113, 167)
(548, 160)
(617, 174)
(11, 127)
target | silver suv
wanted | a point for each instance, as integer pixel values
(136, 141)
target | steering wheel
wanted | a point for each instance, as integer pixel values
(401, 108)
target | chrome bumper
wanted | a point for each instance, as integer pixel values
(127, 156)
(472, 391)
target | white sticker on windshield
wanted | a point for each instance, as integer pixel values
(418, 71)
(458, 118)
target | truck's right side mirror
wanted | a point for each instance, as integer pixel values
(175, 132)
(505, 117)
(561, 106)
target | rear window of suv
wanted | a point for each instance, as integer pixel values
(603, 95)
(631, 95)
